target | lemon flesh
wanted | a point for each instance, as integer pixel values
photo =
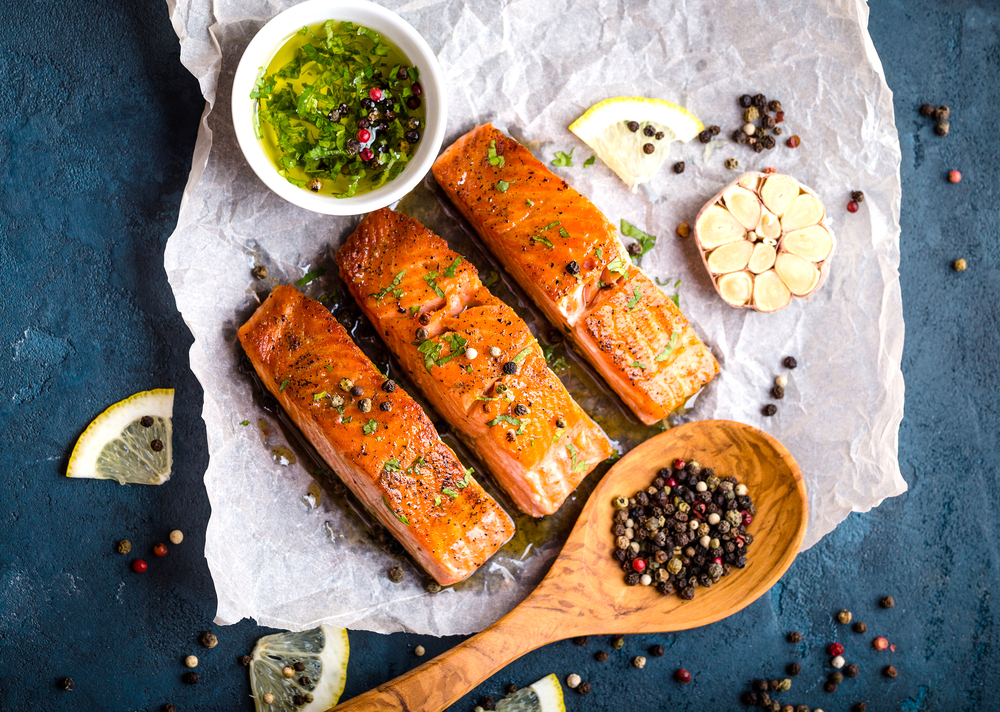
(546, 695)
(116, 446)
(322, 651)
(604, 127)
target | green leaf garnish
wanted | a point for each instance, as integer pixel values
(318, 396)
(491, 278)
(563, 233)
(392, 286)
(539, 238)
(600, 253)
(392, 465)
(619, 265)
(450, 272)
(282, 386)
(564, 159)
(495, 160)
(450, 492)
(669, 349)
(464, 482)
(429, 278)
(400, 517)
(529, 202)
(503, 185)
(555, 363)
(521, 355)
(645, 240)
(513, 422)
(634, 301)
(244, 422)
(589, 161)
(310, 276)
(437, 500)
(638, 364)
(430, 349)
(370, 427)
(576, 466)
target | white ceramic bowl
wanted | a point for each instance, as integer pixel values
(272, 36)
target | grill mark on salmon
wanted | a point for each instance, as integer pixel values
(393, 461)
(617, 332)
(538, 463)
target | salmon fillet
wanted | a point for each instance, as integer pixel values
(391, 457)
(430, 308)
(567, 256)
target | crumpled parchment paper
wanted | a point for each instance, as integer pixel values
(533, 68)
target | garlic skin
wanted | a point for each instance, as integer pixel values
(764, 241)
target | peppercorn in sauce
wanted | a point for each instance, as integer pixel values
(568, 257)
(393, 461)
(473, 358)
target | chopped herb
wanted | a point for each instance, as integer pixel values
(491, 278)
(529, 203)
(429, 278)
(676, 299)
(348, 419)
(521, 355)
(495, 160)
(450, 272)
(555, 363)
(282, 386)
(392, 286)
(514, 422)
(563, 233)
(539, 238)
(503, 185)
(400, 517)
(450, 492)
(458, 345)
(638, 364)
(576, 466)
(370, 427)
(414, 308)
(464, 482)
(430, 349)
(485, 398)
(328, 367)
(549, 226)
(310, 276)
(600, 253)
(564, 159)
(619, 265)
(392, 465)
(589, 161)
(645, 240)
(437, 501)
(317, 396)
(665, 354)
(245, 422)
(634, 301)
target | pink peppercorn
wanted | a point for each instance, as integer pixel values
(779, 117)
(954, 176)
(639, 565)
(717, 560)
(747, 518)
(375, 94)
(852, 207)
(364, 135)
(679, 464)
(671, 482)
(880, 643)
(683, 675)
(793, 142)
(769, 171)
(835, 649)
(140, 566)
(366, 154)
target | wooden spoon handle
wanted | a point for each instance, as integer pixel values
(440, 682)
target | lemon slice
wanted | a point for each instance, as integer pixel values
(604, 127)
(323, 654)
(544, 696)
(120, 445)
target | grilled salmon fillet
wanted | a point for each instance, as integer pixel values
(432, 311)
(567, 256)
(390, 457)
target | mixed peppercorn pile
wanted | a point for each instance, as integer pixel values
(687, 529)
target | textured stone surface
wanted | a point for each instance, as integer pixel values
(95, 142)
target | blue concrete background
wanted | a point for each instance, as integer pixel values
(97, 126)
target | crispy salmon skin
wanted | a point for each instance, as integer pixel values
(386, 450)
(473, 358)
(567, 256)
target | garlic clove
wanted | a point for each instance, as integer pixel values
(804, 211)
(731, 257)
(762, 258)
(750, 181)
(717, 227)
(744, 206)
(736, 288)
(769, 225)
(814, 243)
(769, 292)
(798, 274)
(778, 192)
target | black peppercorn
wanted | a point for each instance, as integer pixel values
(258, 272)
(860, 627)
(657, 651)
(169, 708)
(745, 101)
(793, 669)
(857, 196)
(705, 136)
(769, 409)
(510, 368)
(146, 421)
(851, 670)
(156, 445)
(927, 110)
(581, 640)
(191, 678)
(244, 660)
(767, 142)
(776, 130)
(403, 73)
(487, 703)
(790, 362)
(633, 126)
(942, 128)
(298, 700)
(859, 707)
(648, 148)
(758, 100)
(714, 130)
(659, 135)
(520, 409)
(389, 386)
(769, 122)
(357, 391)
(583, 688)
(510, 689)
(794, 637)
(649, 130)
(679, 167)
(634, 249)
(299, 667)
(573, 267)
(890, 671)
(632, 579)
(305, 681)
(385, 406)
(758, 147)
(774, 106)
(601, 656)
(66, 683)
(829, 686)
(777, 392)
(887, 602)
(396, 574)
(750, 698)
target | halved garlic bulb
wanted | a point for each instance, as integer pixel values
(764, 240)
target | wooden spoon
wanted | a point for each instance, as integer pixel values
(584, 592)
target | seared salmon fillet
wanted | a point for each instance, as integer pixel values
(567, 256)
(386, 451)
(473, 358)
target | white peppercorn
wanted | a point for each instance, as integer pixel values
(573, 680)
(781, 381)
(639, 662)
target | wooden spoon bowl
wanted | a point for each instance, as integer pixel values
(585, 593)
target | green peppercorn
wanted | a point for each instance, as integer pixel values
(617, 642)
(124, 546)
(396, 574)
(844, 617)
(432, 587)
(732, 164)
(346, 384)
(619, 502)
(751, 114)
(785, 685)
(836, 678)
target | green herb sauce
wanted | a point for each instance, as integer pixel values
(315, 96)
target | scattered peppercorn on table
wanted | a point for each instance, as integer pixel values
(84, 625)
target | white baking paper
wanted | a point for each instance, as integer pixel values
(533, 67)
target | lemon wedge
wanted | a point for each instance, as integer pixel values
(321, 653)
(129, 442)
(605, 128)
(546, 695)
